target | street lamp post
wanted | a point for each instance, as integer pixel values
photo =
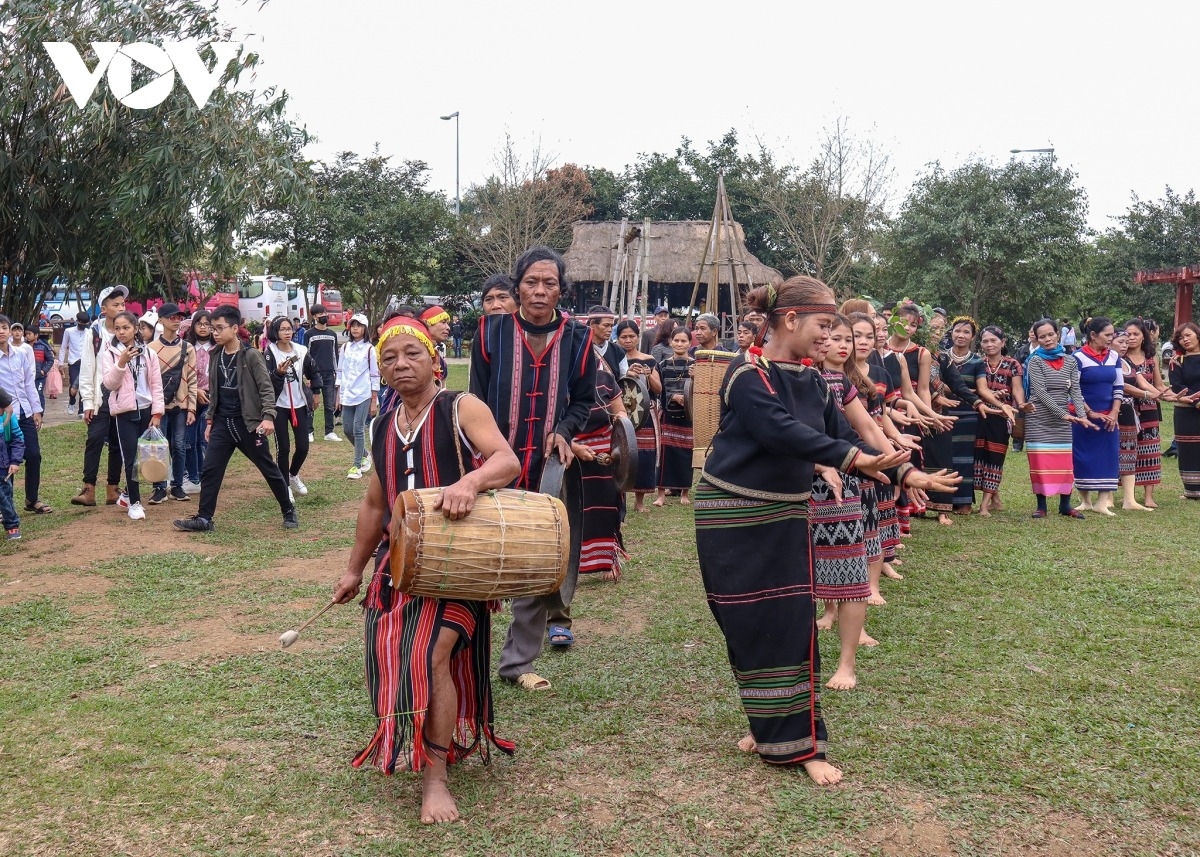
(457, 201)
(1046, 151)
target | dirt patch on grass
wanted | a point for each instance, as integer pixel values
(205, 639)
(631, 625)
(21, 587)
(325, 568)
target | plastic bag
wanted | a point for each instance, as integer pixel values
(54, 384)
(153, 456)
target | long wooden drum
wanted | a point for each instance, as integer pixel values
(707, 374)
(513, 544)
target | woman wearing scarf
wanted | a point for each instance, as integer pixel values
(1096, 443)
(1052, 387)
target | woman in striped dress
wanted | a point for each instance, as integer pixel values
(1147, 388)
(1184, 375)
(1000, 387)
(675, 467)
(777, 420)
(1096, 444)
(643, 413)
(1052, 386)
(970, 368)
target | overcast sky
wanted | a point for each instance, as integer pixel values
(1110, 86)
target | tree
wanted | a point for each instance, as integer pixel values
(828, 219)
(1152, 235)
(108, 193)
(371, 228)
(1003, 243)
(528, 203)
(607, 200)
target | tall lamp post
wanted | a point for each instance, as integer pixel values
(457, 201)
(1047, 151)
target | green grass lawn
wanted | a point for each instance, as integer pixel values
(1035, 692)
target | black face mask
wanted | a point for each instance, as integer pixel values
(321, 319)
(81, 324)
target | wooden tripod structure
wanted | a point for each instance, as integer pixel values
(721, 251)
(628, 284)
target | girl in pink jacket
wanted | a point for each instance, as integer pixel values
(133, 385)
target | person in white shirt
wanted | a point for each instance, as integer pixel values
(297, 385)
(70, 357)
(358, 391)
(16, 376)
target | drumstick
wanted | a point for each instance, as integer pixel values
(289, 637)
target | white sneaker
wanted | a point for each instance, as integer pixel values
(291, 497)
(298, 486)
(354, 473)
(136, 512)
(334, 436)
(70, 409)
(123, 501)
(365, 464)
(311, 437)
(190, 487)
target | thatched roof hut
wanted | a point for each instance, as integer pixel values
(676, 248)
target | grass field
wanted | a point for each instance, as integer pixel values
(1035, 692)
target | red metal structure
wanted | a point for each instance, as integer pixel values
(1184, 279)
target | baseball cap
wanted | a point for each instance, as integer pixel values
(662, 309)
(150, 318)
(361, 319)
(167, 310)
(105, 294)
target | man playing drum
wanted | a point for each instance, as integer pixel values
(428, 660)
(537, 372)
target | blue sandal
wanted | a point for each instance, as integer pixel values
(560, 637)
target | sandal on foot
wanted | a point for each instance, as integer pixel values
(1074, 513)
(559, 637)
(1040, 513)
(532, 681)
(38, 508)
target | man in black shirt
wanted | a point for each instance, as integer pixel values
(241, 416)
(322, 345)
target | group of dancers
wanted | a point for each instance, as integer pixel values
(836, 429)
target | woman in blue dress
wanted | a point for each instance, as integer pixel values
(1096, 447)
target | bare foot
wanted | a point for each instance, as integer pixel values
(944, 520)
(822, 773)
(865, 639)
(876, 599)
(1136, 507)
(890, 572)
(997, 506)
(659, 501)
(1105, 510)
(748, 744)
(685, 500)
(1151, 505)
(843, 679)
(1084, 507)
(984, 513)
(639, 507)
(437, 806)
(825, 623)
